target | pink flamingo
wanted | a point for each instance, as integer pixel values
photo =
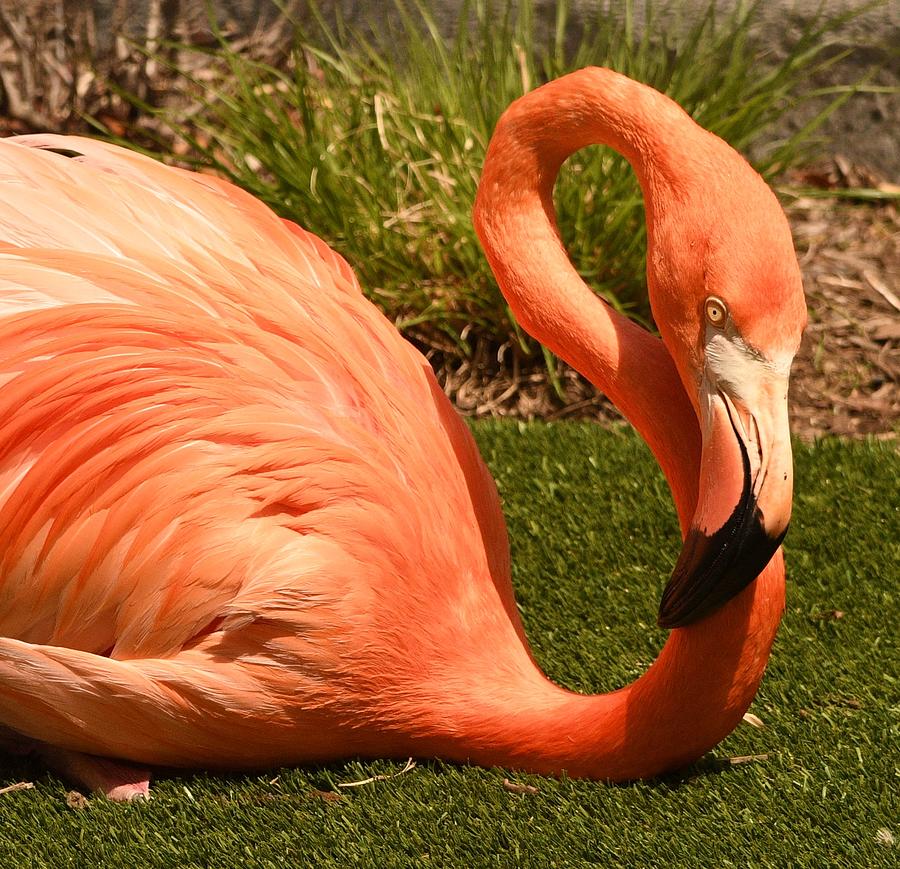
(242, 526)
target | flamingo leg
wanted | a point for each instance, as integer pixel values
(118, 781)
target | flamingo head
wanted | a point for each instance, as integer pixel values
(727, 295)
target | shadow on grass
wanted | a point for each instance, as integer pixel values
(332, 782)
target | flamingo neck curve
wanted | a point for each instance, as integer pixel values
(707, 674)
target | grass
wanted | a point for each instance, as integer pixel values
(591, 557)
(381, 156)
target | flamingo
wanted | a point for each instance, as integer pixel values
(242, 526)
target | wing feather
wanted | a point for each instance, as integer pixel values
(210, 444)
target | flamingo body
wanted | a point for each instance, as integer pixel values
(241, 524)
(215, 448)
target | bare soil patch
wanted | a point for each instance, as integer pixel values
(845, 379)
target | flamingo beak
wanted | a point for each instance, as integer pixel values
(744, 507)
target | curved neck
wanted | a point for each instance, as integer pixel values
(707, 674)
(688, 701)
(516, 222)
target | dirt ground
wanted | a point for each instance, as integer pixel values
(845, 379)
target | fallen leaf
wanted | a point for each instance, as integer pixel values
(517, 788)
(753, 720)
(76, 800)
(885, 837)
(889, 331)
(881, 288)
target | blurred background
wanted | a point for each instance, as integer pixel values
(59, 57)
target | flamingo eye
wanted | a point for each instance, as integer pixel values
(716, 311)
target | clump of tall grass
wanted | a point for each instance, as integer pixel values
(376, 144)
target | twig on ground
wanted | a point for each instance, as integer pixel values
(410, 764)
(18, 786)
(517, 788)
(747, 758)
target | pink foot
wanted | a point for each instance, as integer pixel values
(117, 780)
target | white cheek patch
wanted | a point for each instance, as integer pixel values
(740, 368)
(780, 364)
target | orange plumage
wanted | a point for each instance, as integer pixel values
(241, 524)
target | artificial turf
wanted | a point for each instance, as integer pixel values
(593, 537)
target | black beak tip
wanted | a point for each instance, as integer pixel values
(712, 569)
